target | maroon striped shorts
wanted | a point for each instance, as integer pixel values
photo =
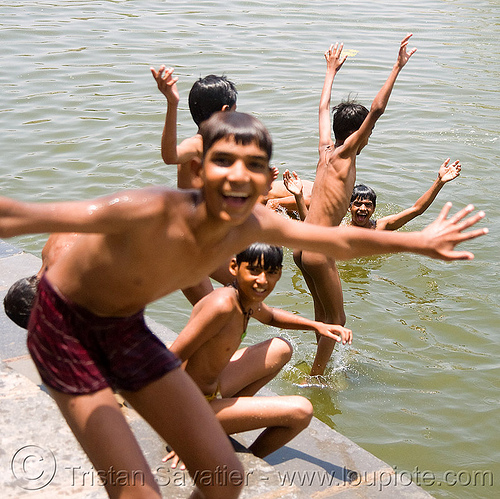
(78, 352)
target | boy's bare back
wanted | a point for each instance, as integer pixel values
(335, 179)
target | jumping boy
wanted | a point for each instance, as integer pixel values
(364, 201)
(228, 377)
(335, 178)
(87, 333)
(207, 95)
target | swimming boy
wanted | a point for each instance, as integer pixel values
(364, 201)
(228, 377)
(207, 95)
(281, 199)
(87, 334)
(335, 177)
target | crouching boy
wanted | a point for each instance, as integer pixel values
(228, 377)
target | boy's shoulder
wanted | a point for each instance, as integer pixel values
(222, 300)
(167, 200)
(221, 305)
(190, 148)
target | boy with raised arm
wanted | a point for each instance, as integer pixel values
(87, 333)
(207, 95)
(228, 377)
(364, 201)
(335, 178)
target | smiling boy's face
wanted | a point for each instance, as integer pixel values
(361, 212)
(234, 177)
(255, 283)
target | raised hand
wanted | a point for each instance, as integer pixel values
(447, 173)
(334, 57)
(166, 83)
(292, 182)
(404, 55)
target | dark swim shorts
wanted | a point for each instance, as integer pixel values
(78, 352)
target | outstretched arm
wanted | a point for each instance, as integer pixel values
(287, 320)
(446, 174)
(438, 240)
(108, 215)
(334, 61)
(293, 185)
(382, 98)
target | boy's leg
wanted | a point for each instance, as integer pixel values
(283, 417)
(101, 429)
(253, 367)
(323, 280)
(175, 407)
(319, 311)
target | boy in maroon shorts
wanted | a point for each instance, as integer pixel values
(139, 245)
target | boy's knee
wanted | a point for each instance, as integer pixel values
(313, 261)
(303, 411)
(282, 349)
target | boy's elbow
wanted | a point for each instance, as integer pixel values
(169, 159)
(377, 109)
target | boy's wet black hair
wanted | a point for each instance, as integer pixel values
(265, 255)
(361, 191)
(348, 117)
(19, 300)
(241, 127)
(209, 95)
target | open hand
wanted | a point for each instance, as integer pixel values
(166, 83)
(442, 235)
(404, 55)
(292, 182)
(334, 57)
(447, 173)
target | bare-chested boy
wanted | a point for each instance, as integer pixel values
(228, 377)
(364, 201)
(207, 95)
(87, 333)
(335, 178)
